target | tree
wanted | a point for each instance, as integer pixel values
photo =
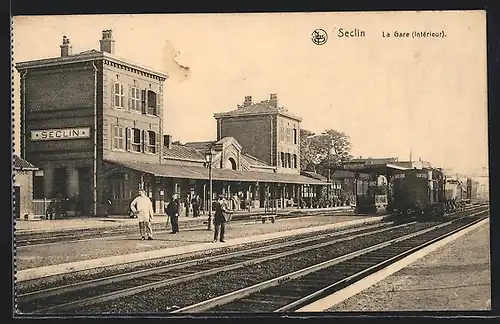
(318, 152)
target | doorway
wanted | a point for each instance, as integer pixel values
(85, 190)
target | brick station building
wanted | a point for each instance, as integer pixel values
(93, 124)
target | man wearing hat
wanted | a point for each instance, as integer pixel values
(143, 208)
(172, 210)
(220, 218)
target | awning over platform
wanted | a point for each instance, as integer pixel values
(201, 173)
(371, 168)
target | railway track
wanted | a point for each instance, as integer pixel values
(70, 296)
(99, 293)
(294, 290)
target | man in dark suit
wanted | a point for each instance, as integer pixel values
(172, 210)
(221, 216)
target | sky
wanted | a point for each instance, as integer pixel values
(389, 94)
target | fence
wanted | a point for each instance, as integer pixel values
(40, 206)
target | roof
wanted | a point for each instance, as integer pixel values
(201, 173)
(21, 164)
(182, 152)
(370, 168)
(314, 175)
(259, 108)
(203, 145)
(342, 174)
(253, 161)
(88, 56)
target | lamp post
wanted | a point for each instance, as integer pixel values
(208, 164)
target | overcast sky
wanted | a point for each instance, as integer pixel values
(389, 95)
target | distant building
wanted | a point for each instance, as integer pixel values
(23, 187)
(264, 130)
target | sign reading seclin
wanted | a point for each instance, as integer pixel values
(60, 134)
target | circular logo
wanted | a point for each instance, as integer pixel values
(319, 36)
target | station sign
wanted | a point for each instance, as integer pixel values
(60, 134)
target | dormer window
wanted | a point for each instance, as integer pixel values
(118, 95)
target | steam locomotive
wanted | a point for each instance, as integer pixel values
(427, 193)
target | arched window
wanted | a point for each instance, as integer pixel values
(231, 164)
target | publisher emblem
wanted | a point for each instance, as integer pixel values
(319, 36)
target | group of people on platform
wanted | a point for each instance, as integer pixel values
(142, 207)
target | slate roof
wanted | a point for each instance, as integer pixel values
(253, 161)
(21, 164)
(258, 108)
(314, 175)
(201, 173)
(183, 152)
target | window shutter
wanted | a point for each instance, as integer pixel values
(143, 101)
(128, 138)
(144, 141)
(113, 85)
(157, 143)
(130, 89)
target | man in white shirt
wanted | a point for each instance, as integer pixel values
(143, 208)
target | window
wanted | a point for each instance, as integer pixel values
(295, 161)
(151, 103)
(136, 140)
(282, 159)
(151, 142)
(135, 99)
(118, 138)
(289, 160)
(119, 95)
(295, 136)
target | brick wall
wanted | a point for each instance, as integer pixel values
(252, 132)
(126, 116)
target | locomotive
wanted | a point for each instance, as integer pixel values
(420, 192)
(428, 193)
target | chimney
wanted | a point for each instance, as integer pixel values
(248, 101)
(66, 49)
(167, 141)
(273, 99)
(107, 42)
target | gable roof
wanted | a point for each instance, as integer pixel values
(182, 152)
(21, 164)
(259, 108)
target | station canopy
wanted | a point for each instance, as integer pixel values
(202, 173)
(386, 166)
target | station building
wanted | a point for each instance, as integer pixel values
(93, 123)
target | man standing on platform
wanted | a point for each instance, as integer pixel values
(143, 208)
(221, 216)
(172, 210)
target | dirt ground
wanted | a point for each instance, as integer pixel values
(456, 277)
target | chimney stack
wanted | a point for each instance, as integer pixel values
(248, 101)
(66, 49)
(167, 141)
(107, 42)
(273, 99)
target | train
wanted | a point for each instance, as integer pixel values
(429, 193)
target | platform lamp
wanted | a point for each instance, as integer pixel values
(208, 164)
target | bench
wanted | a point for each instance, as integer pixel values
(271, 218)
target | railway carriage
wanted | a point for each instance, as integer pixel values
(419, 193)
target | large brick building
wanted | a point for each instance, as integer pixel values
(79, 110)
(93, 123)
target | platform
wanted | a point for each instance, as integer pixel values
(60, 258)
(80, 223)
(454, 277)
